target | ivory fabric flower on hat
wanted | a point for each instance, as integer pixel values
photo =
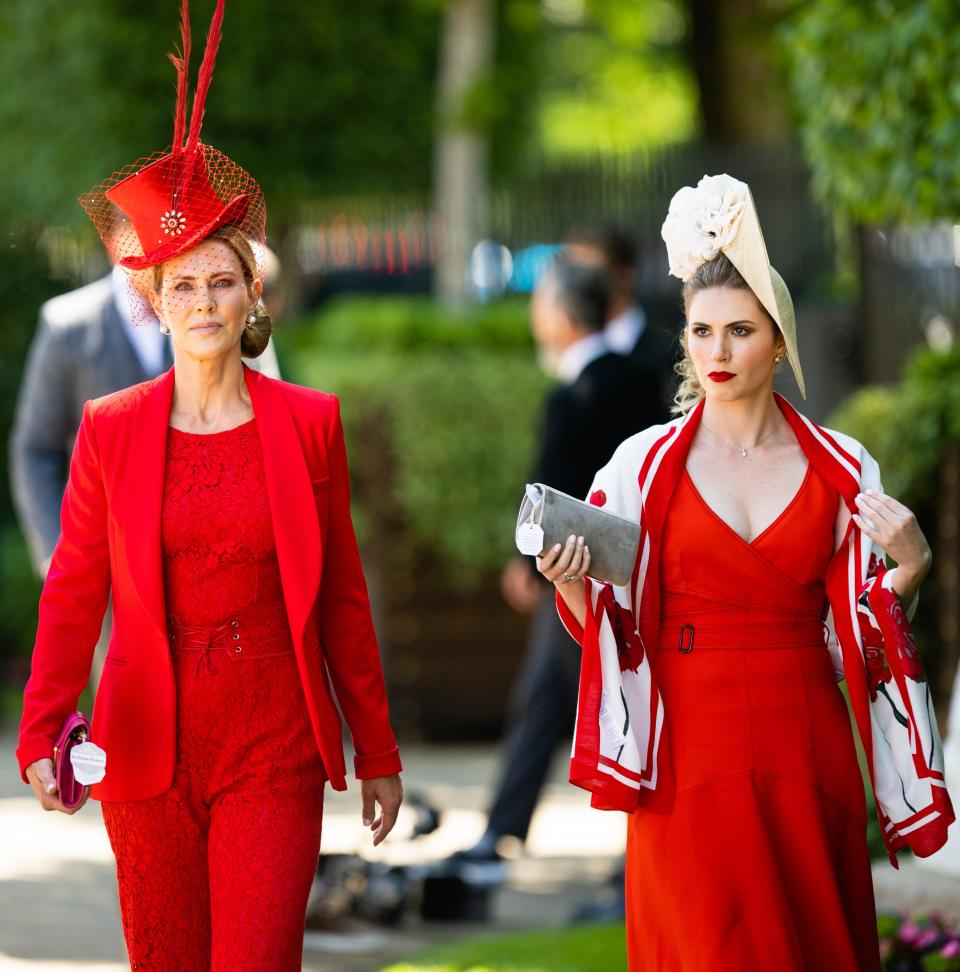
(702, 221)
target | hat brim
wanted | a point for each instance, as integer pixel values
(233, 212)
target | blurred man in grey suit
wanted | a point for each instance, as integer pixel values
(86, 345)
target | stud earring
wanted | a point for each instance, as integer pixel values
(778, 358)
(164, 329)
(252, 319)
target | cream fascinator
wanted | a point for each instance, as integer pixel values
(719, 216)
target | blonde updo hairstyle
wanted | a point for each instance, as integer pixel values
(253, 341)
(718, 272)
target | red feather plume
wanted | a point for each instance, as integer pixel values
(182, 66)
(205, 76)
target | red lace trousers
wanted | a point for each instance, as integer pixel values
(214, 873)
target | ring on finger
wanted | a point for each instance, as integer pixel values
(569, 577)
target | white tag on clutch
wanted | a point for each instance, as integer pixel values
(530, 539)
(89, 763)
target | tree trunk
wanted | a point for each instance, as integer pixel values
(461, 154)
(731, 50)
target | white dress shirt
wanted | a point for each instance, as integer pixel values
(148, 340)
(579, 354)
(623, 332)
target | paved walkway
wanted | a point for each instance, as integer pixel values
(56, 872)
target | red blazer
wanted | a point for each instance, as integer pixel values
(110, 521)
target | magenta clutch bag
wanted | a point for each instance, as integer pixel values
(74, 731)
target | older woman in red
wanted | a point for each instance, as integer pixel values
(214, 502)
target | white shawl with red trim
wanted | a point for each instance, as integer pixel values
(617, 751)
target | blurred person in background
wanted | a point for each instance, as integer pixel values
(630, 329)
(89, 343)
(215, 501)
(596, 402)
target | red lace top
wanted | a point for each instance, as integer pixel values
(219, 556)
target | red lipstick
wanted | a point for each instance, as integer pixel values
(721, 375)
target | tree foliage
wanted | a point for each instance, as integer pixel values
(878, 89)
(440, 412)
(313, 96)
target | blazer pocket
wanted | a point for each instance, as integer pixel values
(321, 486)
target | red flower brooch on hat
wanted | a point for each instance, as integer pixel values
(167, 203)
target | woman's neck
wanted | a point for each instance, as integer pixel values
(743, 422)
(209, 395)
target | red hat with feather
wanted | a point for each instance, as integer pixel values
(167, 203)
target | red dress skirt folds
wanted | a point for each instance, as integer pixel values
(761, 864)
(215, 872)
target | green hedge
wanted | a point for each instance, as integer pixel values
(440, 412)
(907, 427)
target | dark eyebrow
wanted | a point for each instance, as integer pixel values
(731, 324)
(219, 273)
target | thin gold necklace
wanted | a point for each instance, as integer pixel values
(743, 452)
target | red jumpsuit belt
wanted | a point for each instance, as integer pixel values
(686, 637)
(243, 636)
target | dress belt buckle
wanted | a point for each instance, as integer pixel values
(683, 631)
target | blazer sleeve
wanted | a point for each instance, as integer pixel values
(72, 604)
(39, 452)
(346, 628)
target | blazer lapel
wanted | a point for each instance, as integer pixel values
(143, 481)
(296, 528)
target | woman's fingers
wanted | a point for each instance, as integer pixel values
(564, 564)
(576, 561)
(546, 560)
(44, 786)
(868, 527)
(878, 511)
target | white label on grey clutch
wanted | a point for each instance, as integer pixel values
(530, 539)
(89, 763)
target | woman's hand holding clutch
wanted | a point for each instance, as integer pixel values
(40, 775)
(566, 567)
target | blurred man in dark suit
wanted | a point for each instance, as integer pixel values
(597, 403)
(630, 329)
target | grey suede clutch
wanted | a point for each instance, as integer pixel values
(548, 516)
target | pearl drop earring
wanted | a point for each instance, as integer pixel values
(164, 329)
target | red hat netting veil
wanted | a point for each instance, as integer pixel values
(165, 204)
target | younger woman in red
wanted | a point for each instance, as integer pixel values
(709, 708)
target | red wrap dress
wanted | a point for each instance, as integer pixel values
(214, 873)
(761, 863)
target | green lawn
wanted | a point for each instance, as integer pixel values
(591, 948)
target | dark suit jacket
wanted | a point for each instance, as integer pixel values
(584, 422)
(653, 356)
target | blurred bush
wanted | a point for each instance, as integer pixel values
(907, 428)
(440, 412)
(881, 124)
(24, 285)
